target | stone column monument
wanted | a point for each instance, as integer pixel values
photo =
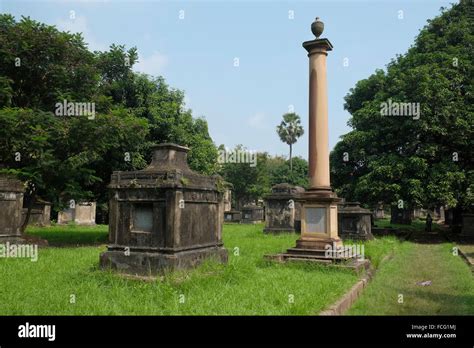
(319, 231)
(319, 213)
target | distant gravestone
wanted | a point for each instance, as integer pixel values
(11, 205)
(83, 213)
(440, 213)
(40, 214)
(467, 228)
(164, 217)
(453, 218)
(379, 214)
(448, 217)
(417, 213)
(252, 214)
(227, 200)
(232, 216)
(282, 212)
(401, 216)
(379, 211)
(354, 222)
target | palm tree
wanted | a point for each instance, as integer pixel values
(289, 130)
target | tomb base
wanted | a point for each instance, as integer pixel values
(152, 262)
(12, 239)
(319, 240)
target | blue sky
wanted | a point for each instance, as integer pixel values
(244, 104)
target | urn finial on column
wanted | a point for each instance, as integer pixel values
(317, 27)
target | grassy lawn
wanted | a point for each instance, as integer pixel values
(71, 235)
(417, 225)
(451, 291)
(247, 285)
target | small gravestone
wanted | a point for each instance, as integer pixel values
(82, 213)
(449, 216)
(11, 206)
(282, 212)
(417, 213)
(467, 229)
(232, 216)
(354, 222)
(227, 199)
(379, 212)
(252, 213)
(40, 214)
(453, 218)
(164, 217)
(438, 213)
(401, 216)
(441, 213)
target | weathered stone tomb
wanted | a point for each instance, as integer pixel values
(164, 217)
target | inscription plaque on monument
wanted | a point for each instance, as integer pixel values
(142, 218)
(315, 220)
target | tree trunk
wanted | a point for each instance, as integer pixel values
(28, 213)
(291, 158)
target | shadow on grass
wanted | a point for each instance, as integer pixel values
(448, 304)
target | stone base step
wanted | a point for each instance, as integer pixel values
(315, 253)
(315, 257)
(292, 258)
(350, 263)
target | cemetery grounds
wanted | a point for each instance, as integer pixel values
(413, 277)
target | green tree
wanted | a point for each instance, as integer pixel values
(250, 182)
(279, 171)
(40, 65)
(72, 157)
(289, 130)
(425, 160)
(67, 158)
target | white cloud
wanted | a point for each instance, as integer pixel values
(80, 25)
(152, 65)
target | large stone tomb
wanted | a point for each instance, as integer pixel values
(282, 212)
(252, 214)
(164, 217)
(40, 214)
(232, 216)
(354, 222)
(402, 216)
(11, 205)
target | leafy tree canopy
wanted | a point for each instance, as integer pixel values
(72, 157)
(424, 160)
